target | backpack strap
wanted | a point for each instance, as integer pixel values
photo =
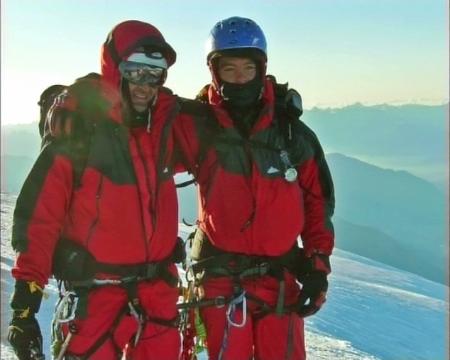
(288, 105)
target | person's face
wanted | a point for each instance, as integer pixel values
(236, 70)
(141, 95)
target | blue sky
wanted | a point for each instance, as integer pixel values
(335, 52)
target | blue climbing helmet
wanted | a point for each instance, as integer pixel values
(236, 33)
(236, 36)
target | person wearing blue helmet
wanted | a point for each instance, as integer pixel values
(265, 204)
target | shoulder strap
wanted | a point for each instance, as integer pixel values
(288, 105)
(281, 113)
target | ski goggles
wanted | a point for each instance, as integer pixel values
(140, 74)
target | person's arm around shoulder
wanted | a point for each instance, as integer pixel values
(192, 131)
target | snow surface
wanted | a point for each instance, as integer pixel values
(373, 311)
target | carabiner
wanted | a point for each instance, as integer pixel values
(241, 299)
(69, 299)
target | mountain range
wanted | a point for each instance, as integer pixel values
(390, 216)
(408, 137)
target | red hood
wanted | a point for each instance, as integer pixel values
(123, 39)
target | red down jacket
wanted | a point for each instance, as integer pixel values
(246, 205)
(125, 209)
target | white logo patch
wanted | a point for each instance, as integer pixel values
(272, 170)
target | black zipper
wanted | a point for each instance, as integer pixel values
(98, 194)
(152, 200)
(248, 152)
(214, 169)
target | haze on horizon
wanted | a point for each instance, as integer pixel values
(336, 53)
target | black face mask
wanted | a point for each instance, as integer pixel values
(242, 95)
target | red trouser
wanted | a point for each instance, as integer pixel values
(156, 342)
(268, 337)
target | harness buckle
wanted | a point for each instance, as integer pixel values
(263, 268)
(151, 271)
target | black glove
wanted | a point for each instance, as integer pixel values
(314, 284)
(25, 337)
(24, 333)
(313, 293)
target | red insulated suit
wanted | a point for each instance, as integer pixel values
(247, 207)
(123, 212)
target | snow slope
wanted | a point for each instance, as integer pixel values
(373, 311)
